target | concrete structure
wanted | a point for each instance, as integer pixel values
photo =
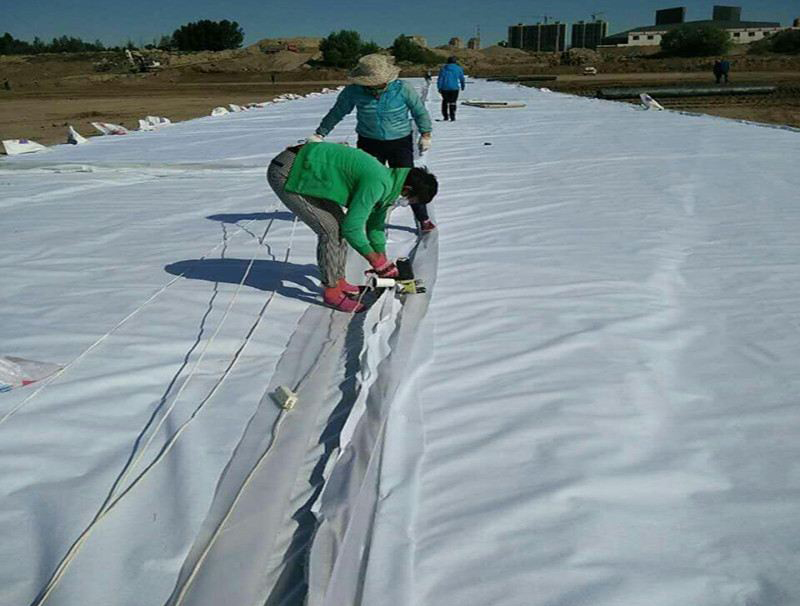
(542, 37)
(671, 16)
(727, 13)
(588, 35)
(741, 32)
(454, 42)
(474, 43)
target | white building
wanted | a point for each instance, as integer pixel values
(727, 18)
(745, 33)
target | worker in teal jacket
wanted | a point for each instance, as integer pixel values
(383, 104)
(343, 194)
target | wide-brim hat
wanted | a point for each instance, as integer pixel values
(374, 70)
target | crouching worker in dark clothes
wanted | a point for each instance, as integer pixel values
(383, 106)
(343, 194)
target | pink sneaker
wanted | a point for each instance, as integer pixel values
(350, 289)
(426, 226)
(337, 299)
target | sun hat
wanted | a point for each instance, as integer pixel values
(374, 70)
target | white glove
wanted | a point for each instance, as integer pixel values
(315, 138)
(424, 143)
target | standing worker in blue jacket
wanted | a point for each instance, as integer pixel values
(451, 80)
(383, 104)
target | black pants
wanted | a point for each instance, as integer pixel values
(397, 153)
(449, 98)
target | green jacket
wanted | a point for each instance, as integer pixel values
(355, 180)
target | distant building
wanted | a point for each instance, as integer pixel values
(515, 36)
(474, 43)
(725, 17)
(727, 13)
(455, 42)
(671, 16)
(589, 35)
(547, 37)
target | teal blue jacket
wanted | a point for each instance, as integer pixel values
(384, 116)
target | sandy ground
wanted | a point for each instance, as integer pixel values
(44, 116)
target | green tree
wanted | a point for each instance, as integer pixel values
(11, 46)
(344, 48)
(370, 48)
(208, 35)
(787, 41)
(405, 49)
(696, 41)
(65, 44)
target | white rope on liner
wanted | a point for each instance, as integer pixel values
(72, 553)
(94, 345)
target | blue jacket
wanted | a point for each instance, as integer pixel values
(451, 77)
(383, 117)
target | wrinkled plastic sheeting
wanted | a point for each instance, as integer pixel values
(14, 147)
(74, 137)
(108, 128)
(153, 122)
(18, 372)
(381, 445)
(649, 103)
(350, 495)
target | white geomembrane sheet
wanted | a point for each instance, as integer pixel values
(599, 406)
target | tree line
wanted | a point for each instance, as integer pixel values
(196, 36)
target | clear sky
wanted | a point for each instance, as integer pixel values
(115, 21)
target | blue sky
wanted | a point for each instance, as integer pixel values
(115, 21)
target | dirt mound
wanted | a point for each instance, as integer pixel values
(302, 44)
(500, 52)
(250, 59)
(582, 56)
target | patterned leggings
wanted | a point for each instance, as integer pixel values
(323, 216)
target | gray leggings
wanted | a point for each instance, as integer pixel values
(323, 216)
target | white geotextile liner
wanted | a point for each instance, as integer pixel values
(610, 416)
(122, 266)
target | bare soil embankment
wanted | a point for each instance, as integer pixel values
(47, 92)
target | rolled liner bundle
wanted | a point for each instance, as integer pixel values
(14, 147)
(493, 104)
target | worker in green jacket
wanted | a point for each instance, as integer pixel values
(343, 194)
(384, 108)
